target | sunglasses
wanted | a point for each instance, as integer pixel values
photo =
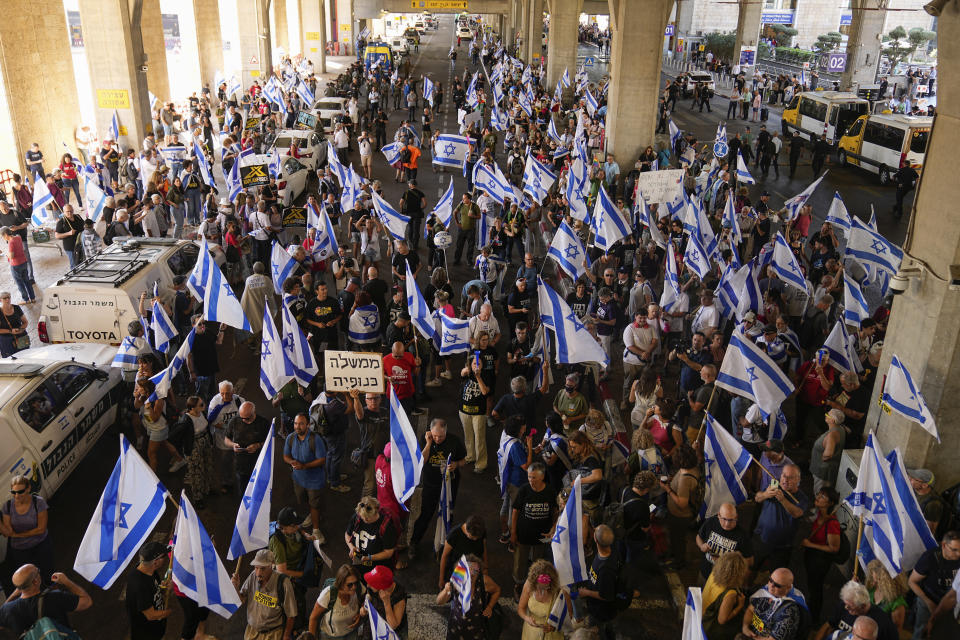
(774, 584)
(17, 492)
(351, 585)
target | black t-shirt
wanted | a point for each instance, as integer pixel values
(323, 311)
(843, 620)
(461, 545)
(144, 592)
(64, 225)
(14, 219)
(764, 227)
(579, 304)
(399, 261)
(472, 400)
(603, 580)
(451, 446)
(20, 614)
(519, 349)
(636, 514)
(377, 289)
(204, 350)
(373, 537)
(534, 513)
(488, 364)
(938, 573)
(521, 300)
(722, 541)
(413, 203)
(13, 321)
(590, 491)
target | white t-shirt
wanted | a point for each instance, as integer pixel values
(150, 225)
(491, 326)
(336, 620)
(707, 317)
(640, 337)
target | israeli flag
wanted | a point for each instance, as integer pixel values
(128, 351)
(161, 325)
(592, 104)
(234, 183)
(196, 568)
(379, 628)
(445, 510)
(917, 537)
(902, 394)
(252, 529)
(130, 507)
(443, 211)
(785, 264)
(324, 239)
(837, 214)
(565, 78)
(671, 283)
(164, 379)
(840, 345)
(725, 462)
(233, 87)
(462, 581)
(275, 169)
(392, 152)
(406, 460)
(609, 225)
(453, 334)
(793, 205)
(537, 179)
(202, 163)
(220, 304)
(642, 213)
(567, 542)
(739, 291)
(732, 219)
(94, 197)
(552, 131)
(297, 349)
(276, 369)
(695, 257)
(489, 178)
(871, 249)
(568, 251)
(420, 313)
(451, 150)
(393, 220)
(855, 307)
(574, 342)
(743, 174)
(154, 100)
(697, 224)
(576, 190)
(42, 198)
(749, 372)
(427, 90)
(498, 119)
(524, 102)
(693, 616)
(558, 611)
(720, 146)
(198, 276)
(674, 133)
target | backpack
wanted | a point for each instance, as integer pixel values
(405, 155)
(232, 253)
(47, 628)
(696, 495)
(613, 515)
(624, 584)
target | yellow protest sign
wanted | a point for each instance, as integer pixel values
(420, 5)
(312, 35)
(113, 98)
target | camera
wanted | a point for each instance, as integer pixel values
(680, 345)
(899, 283)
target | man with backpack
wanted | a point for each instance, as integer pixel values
(270, 599)
(31, 609)
(295, 557)
(306, 453)
(600, 593)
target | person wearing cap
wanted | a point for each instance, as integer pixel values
(388, 598)
(270, 599)
(826, 451)
(931, 504)
(771, 344)
(294, 556)
(145, 589)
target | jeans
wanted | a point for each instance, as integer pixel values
(195, 206)
(21, 277)
(72, 185)
(429, 500)
(71, 257)
(206, 386)
(177, 211)
(413, 231)
(921, 617)
(26, 252)
(336, 445)
(465, 237)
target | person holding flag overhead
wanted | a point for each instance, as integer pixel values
(470, 613)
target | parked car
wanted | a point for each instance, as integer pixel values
(694, 78)
(292, 181)
(311, 148)
(464, 33)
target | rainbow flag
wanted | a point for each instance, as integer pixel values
(460, 578)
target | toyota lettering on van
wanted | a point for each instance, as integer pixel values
(84, 336)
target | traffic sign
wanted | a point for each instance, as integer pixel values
(254, 60)
(837, 62)
(720, 149)
(589, 62)
(669, 30)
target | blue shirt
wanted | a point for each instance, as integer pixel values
(516, 474)
(300, 450)
(775, 526)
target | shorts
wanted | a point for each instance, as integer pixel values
(159, 436)
(313, 497)
(366, 161)
(354, 237)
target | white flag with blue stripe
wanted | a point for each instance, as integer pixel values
(282, 265)
(574, 342)
(793, 205)
(731, 219)
(537, 179)
(393, 220)
(234, 183)
(837, 214)
(674, 134)
(154, 100)
(444, 207)
(695, 257)
(643, 216)
(198, 276)
(576, 190)
(252, 528)
(725, 462)
(297, 349)
(592, 104)
(196, 568)
(565, 78)
(276, 369)
(128, 351)
(392, 152)
(420, 313)
(115, 127)
(451, 150)
(164, 379)
(233, 86)
(428, 90)
(498, 119)
(917, 537)
(568, 251)
(220, 304)
(902, 394)
(671, 283)
(406, 459)
(785, 264)
(379, 628)
(42, 198)
(489, 178)
(743, 174)
(749, 372)
(855, 307)
(130, 507)
(871, 249)
(567, 543)
(609, 224)
(552, 132)
(693, 616)
(325, 239)
(840, 345)
(453, 334)
(94, 197)
(201, 159)
(161, 325)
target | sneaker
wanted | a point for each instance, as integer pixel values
(319, 537)
(307, 523)
(340, 488)
(446, 375)
(434, 383)
(344, 476)
(478, 470)
(176, 466)
(504, 538)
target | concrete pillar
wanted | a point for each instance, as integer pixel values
(344, 33)
(684, 18)
(41, 97)
(523, 26)
(278, 29)
(265, 37)
(252, 41)
(636, 50)
(209, 42)
(863, 44)
(151, 29)
(534, 46)
(313, 34)
(922, 330)
(562, 39)
(115, 54)
(748, 27)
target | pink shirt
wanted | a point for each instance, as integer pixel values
(15, 253)
(385, 496)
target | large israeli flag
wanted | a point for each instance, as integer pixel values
(873, 250)
(201, 159)
(395, 222)
(392, 152)
(379, 628)
(297, 349)
(163, 330)
(785, 264)
(276, 369)
(574, 342)
(451, 150)
(130, 507)
(794, 204)
(693, 616)
(42, 198)
(855, 307)
(917, 537)
(282, 265)
(731, 218)
(198, 276)
(725, 462)
(418, 308)
(592, 104)
(743, 173)
(674, 134)
(568, 251)
(671, 283)
(643, 216)
(609, 224)
(325, 239)
(537, 179)
(749, 372)
(489, 178)
(840, 345)
(453, 334)
(94, 197)
(252, 529)
(427, 90)
(567, 542)
(552, 130)
(406, 459)
(902, 394)
(444, 207)
(196, 568)
(837, 214)
(695, 257)
(305, 94)
(164, 379)
(576, 190)
(220, 304)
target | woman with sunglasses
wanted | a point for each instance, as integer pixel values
(336, 614)
(24, 523)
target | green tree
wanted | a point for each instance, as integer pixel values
(920, 37)
(721, 44)
(782, 34)
(898, 46)
(827, 42)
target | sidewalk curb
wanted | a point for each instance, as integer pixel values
(677, 592)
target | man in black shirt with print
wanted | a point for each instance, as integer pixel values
(439, 446)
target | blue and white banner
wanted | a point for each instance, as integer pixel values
(305, 94)
(725, 462)
(785, 264)
(220, 304)
(568, 251)
(94, 197)
(296, 348)
(392, 152)
(164, 379)
(794, 204)
(451, 150)
(537, 179)
(196, 568)
(406, 459)
(161, 325)
(393, 220)
(577, 190)
(325, 239)
(453, 334)
(695, 257)
(693, 616)
(42, 198)
(749, 372)
(871, 249)
(276, 370)
(444, 207)
(379, 628)
(130, 507)
(743, 173)
(427, 91)
(837, 214)
(902, 394)
(574, 342)
(855, 307)
(843, 353)
(282, 265)
(671, 283)
(552, 132)
(731, 219)
(567, 543)
(489, 178)
(420, 313)
(252, 528)
(445, 510)
(609, 223)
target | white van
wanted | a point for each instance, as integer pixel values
(884, 143)
(55, 403)
(813, 113)
(94, 301)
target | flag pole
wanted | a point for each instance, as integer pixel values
(856, 561)
(706, 410)
(767, 471)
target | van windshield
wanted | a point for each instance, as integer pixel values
(918, 140)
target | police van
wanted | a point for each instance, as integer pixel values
(813, 113)
(94, 301)
(884, 143)
(55, 403)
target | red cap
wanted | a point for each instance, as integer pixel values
(380, 578)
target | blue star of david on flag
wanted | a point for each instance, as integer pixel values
(572, 317)
(124, 507)
(572, 252)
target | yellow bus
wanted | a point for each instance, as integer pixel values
(883, 143)
(813, 113)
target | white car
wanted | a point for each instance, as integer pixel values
(327, 109)
(694, 78)
(311, 148)
(420, 26)
(56, 401)
(464, 33)
(399, 47)
(292, 181)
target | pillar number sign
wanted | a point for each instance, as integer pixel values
(113, 99)
(420, 5)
